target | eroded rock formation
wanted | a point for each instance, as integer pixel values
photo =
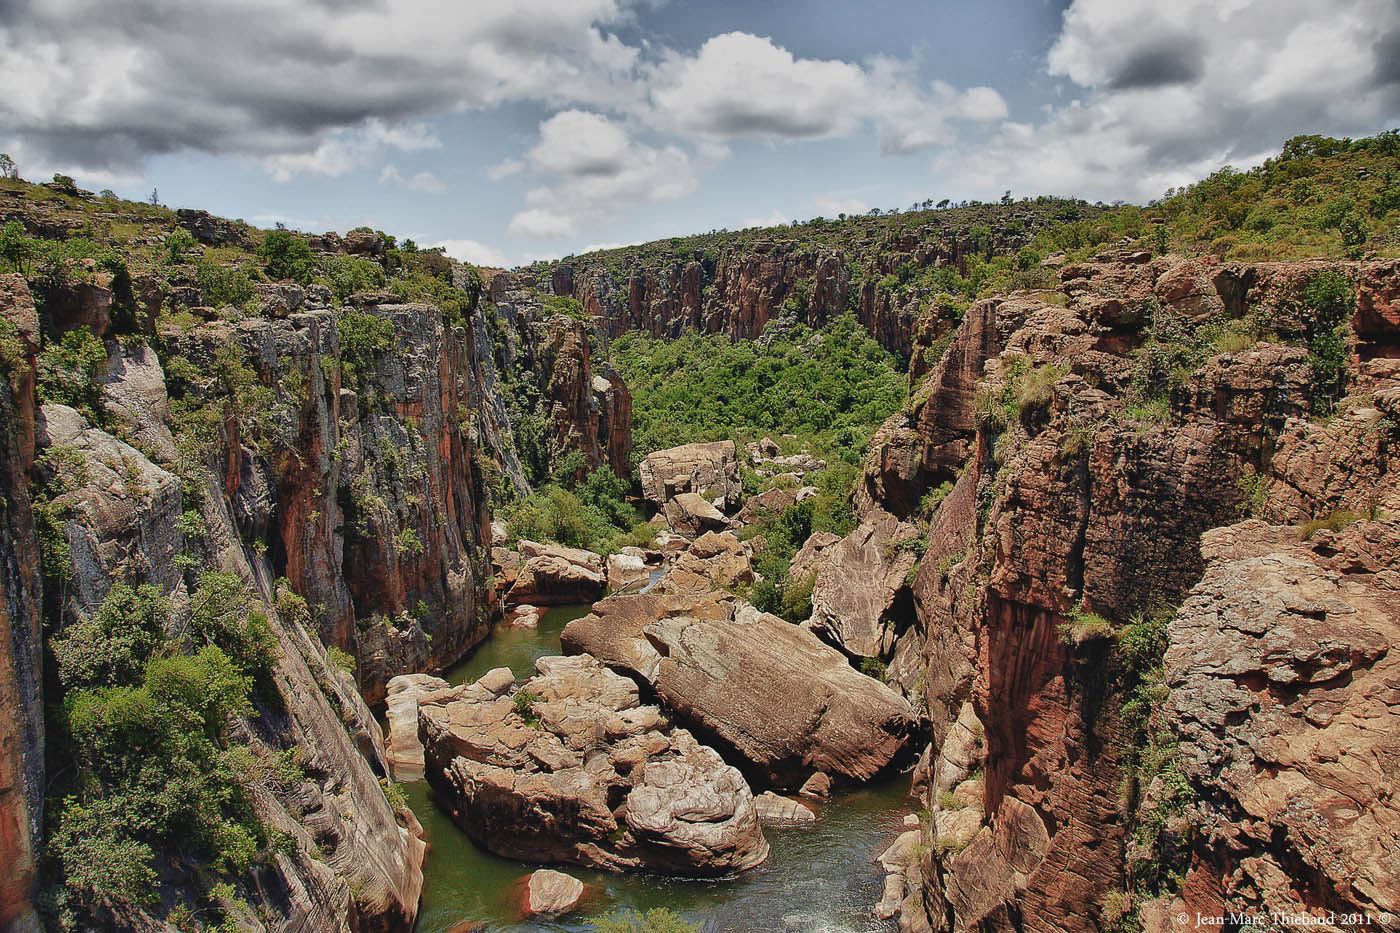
(575, 768)
(768, 690)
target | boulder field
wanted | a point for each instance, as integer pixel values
(783, 701)
(572, 767)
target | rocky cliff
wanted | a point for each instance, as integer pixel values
(736, 283)
(334, 450)
(1069, 457)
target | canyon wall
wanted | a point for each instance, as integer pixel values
(1070, 509)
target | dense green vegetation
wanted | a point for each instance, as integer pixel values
(833, 386)
(590, 513)
(148, 769)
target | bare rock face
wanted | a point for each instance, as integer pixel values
(770, 690)
(121, 509)
(551, 893)
(709, 470)
(576, 769)
(691, 514)
(855, 599)
(1285, 692)
(556, 575)
(22, 777)
(134, 394)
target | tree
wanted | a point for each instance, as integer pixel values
(8, 169)
(287, 257)
(154, 199)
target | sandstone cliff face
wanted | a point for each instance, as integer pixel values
(1066, 503)
(338, 873)
(365, 496)
(21, 646)
(738, 287)
(540, 364)
(1283, 668)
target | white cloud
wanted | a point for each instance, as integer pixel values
(775, 218)
(426, 182)
(474, 252)
(105, 84)
(828, 206)
(504, 169)
(744, 86)
(595, 171)
(1168, 92)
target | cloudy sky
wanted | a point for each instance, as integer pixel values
(515, 129)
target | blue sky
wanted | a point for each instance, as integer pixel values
(514, 129)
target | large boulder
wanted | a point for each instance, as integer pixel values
(710, 470)
(715, 560)
(770, 690)
(574, 768)
(691, 514)
(1285, 694)
(556, 575)
(551, 893)
(627, 572)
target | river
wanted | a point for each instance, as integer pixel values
(820, 878)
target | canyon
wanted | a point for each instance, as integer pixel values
(1118, 588)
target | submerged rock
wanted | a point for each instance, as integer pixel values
(574, 768)
(770, 690)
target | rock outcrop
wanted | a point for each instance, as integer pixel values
(403, 751)
(860, 601)
(768, 690)
(574, 768)
(710, 471)
(1284, 668)
(556, 575)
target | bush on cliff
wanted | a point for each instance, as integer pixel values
(153, 766)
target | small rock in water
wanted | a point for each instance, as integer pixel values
(552, 892)
(818, 785)
(525, 617)
(774, 809)
(911, 821)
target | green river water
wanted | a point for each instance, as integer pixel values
(820, 878)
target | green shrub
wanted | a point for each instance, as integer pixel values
(873, 667)
(363, 338)
(1330, 301)
(71, 370)
(178, 244)
(351, 274)
(112, 645)
(286, 256)
(223, 285)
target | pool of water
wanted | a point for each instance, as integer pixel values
(821, 878)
